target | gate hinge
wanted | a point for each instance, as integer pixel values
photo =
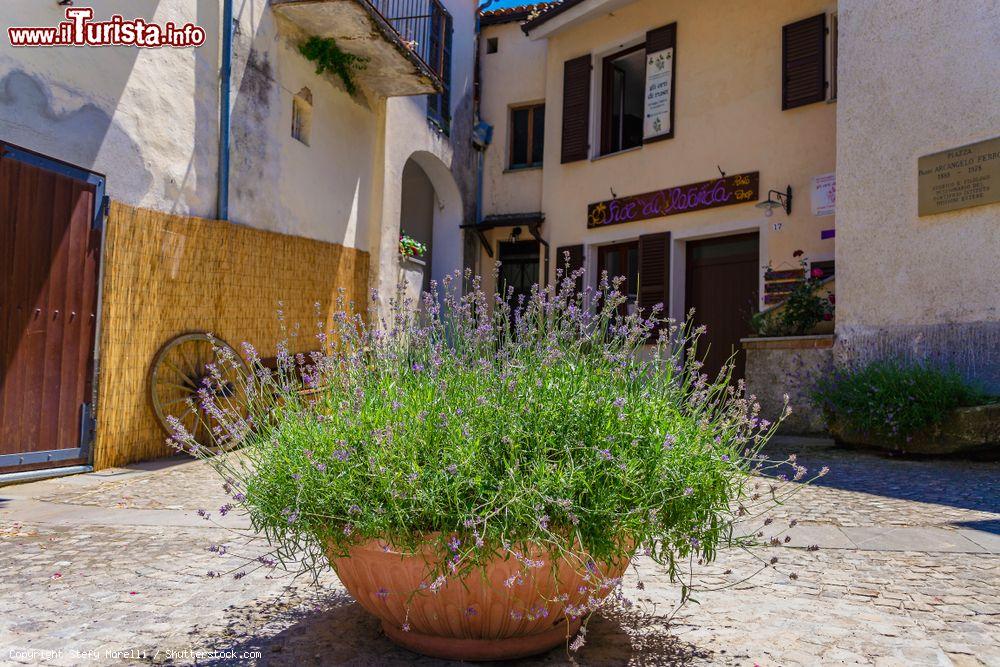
(101, 215)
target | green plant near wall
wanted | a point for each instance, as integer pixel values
(892, 399)
(330, 58)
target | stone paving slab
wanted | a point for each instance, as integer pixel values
(119, 562)
(923, 538)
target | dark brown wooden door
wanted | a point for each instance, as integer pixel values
(723, 287)
(49, 255)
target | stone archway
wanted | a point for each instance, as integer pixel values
(431, 211)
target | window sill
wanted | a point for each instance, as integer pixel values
(616, 153)
(515, 170)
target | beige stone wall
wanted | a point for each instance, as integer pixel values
(167, 275)
(917, 78)
(788, 367)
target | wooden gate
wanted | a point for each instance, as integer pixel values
(51, 218)
(722, 285)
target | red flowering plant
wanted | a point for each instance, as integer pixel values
(802, 310)
(483, 427)
(410, 247)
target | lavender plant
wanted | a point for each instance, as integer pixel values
(496, 428)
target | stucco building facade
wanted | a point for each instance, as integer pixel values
(603, 189)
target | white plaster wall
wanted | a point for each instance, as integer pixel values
(915, 78)
(148, 118)
(513, 76)
(322, 190)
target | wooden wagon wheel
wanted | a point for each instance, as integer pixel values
(180, 369)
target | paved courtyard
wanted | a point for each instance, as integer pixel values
(111, 568)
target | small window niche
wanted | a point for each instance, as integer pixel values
(492, 44)
(302, 105)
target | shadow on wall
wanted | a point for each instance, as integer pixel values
(75, 136)
(113, 127)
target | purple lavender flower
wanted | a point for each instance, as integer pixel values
(382, 594)
(688, 491)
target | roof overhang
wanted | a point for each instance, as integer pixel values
(530, 220)
(568, 14)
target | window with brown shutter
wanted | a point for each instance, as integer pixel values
(576, 110)
(654, 272)
(574, 263)
(803, 62)
(656, 41)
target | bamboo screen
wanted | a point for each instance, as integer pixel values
(166, 275)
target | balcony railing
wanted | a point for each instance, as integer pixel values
(422, 25)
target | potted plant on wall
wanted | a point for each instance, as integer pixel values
(410, 247)
(805, 306)
(481, 476)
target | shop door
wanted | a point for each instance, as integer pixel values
(50, 239)
(723, 288)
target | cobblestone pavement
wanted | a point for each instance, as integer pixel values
(118, 562)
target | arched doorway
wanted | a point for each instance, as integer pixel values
(431, 212)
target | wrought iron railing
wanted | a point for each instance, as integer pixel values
(423, 26)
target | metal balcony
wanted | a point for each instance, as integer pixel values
(404, 41)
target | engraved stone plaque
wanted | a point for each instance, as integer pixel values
(959, 178)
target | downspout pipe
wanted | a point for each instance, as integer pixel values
(479, 160)
(225, 108)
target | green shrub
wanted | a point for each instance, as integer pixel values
(893, 399)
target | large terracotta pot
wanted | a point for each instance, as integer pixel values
(479, 617)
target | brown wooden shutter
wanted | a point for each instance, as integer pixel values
(658, 40)
(576, 110)
(575, 261)
(654, 273)
(803, 62)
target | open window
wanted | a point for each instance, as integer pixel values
(623, 91)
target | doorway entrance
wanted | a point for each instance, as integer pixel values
(50, 243)
(518, 268)
(722, 285)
